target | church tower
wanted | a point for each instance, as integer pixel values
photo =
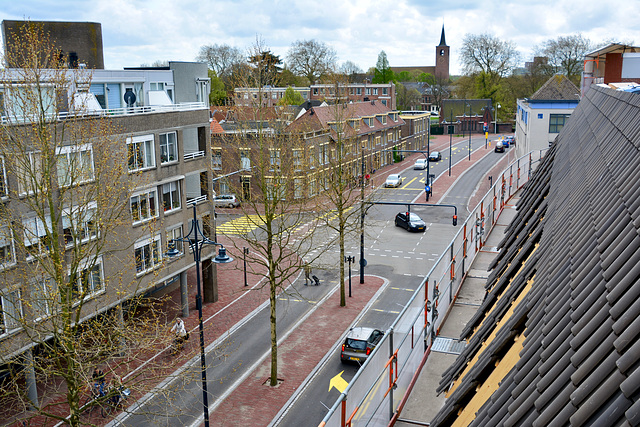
(442, 58)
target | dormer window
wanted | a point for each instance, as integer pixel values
(368, 121)
(382, 118)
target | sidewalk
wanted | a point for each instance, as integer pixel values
(254, 403)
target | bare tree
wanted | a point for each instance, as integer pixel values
(349, 68)
(312, 59)
(565, 54)
(220, 58)
(64, 211)
(273, 167)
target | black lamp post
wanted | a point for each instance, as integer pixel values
(450, 136)
(350, 259)
(469, 124)
(197, 240)
(245, 252)
(362, 260)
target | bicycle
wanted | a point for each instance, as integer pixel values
(116, 397)
(96, 391)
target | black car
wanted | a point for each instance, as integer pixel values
(359, 343)
(435, 156)
(410, 222)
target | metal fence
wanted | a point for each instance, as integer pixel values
(373, 395)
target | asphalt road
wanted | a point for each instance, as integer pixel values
(402, 257)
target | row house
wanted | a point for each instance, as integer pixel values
(161, 122)
(383, 93)
(309, 147)
(267, 96)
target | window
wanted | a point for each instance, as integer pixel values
(315, 90)
(216, 158)
(384, 102)
(10, 310)
(297, 158)
(171, 196)
(375, 90)
(385, 91)
(323, 155)
(144, 206)
(556, 122)
(29, 173)
(79, 224)
(245, 160)
(174, 234)
(368, 121)
(367, 91)
(36, 235)
(7, 250)
(3, 179)
(89, 280)
(44, 297)
(168, 147)
(359, 91)
(274, 158)
(141, 152)
(298, 188)
(148, 255)
(382, 119)
(74, 165)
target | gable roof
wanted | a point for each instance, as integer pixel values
(557, 88)
(557, 338)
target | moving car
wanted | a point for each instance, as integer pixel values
(435, 156)
(510, 139)
(410, 221)
(226, 201)
(499, 147)
(505, 142)
(394, 180)
(359, 344)
(420, 164)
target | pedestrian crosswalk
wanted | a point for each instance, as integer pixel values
(242, 225)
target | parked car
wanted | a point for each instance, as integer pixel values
(420, 164)
(226, 201)
(394, 180)
(410, 221)
(435, 156)
(499, 147)
(359, 344)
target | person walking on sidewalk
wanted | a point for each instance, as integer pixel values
(307, 274)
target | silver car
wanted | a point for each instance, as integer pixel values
(420, 164)
(393, 180)
(226, 201)
(359, 344)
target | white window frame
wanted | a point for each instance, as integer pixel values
(7, 247)
(174, 192)
(152, 246)
(4, 189)
(10, 318)
(274, 158)
(35, 232)
(26, 178)
(146, 145)
(152, 208)
(216, 158)
(92, 288)
(83, 218)
(175, 232)
(168, 142)
(43, 291)
(83, 174)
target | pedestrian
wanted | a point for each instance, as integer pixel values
(307, 274)
(427, 190)
(181, 333)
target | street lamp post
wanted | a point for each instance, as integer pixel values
(350, 259)
(197, 240)
(245, 252)
(362, 260)
(497, 109)
(469, 123)
(450, 136)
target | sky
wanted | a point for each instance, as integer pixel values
(137, 32)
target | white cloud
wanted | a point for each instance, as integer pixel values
(143, 31)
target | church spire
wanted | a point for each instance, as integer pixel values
(442, 41)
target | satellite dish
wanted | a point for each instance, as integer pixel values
(129, 97)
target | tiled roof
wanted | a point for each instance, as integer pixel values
(556, 341)
(557, 88)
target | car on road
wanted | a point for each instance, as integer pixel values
(435, 156)
(510, 139)
(505, 142)
(394, 180)
(499, 147)
(420, 164)
(410, 221)
(226, 201)
(359, 344)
